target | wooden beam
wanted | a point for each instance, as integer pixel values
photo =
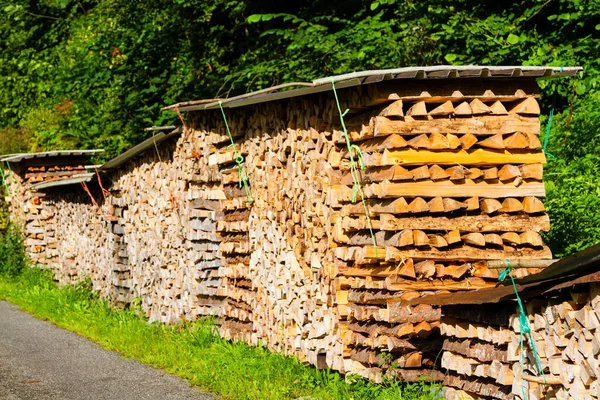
(463, 157)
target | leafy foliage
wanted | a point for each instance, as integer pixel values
(12, 252)
(93, 73)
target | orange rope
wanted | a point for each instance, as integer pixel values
(83, 184)
(104, 191)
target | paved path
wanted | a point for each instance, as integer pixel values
(39, 361)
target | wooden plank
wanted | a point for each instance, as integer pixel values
(463, 223)
(463, 157)
(463, 253)
(450, 189)
(478, 125)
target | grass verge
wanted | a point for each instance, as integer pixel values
(192, 351)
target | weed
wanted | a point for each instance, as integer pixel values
(192, 350)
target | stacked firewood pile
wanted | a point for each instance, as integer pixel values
(449, 183)
(482, 350)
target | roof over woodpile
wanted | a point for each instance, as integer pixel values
(70, 159)
(581, 267)
(367, 77)
(15, 158)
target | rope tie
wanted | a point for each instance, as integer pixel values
(238, 158)
(525, 329)
(548, 127)
(354, 150)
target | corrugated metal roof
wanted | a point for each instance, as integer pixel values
(15, 158)
(63, 182)
(140, 148)
(366, 77)
(581, 267)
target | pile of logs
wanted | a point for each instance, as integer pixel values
(449, 184)
(482, 350)
(451, 181)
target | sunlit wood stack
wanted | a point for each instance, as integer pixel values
(450, 183)
(482, 350)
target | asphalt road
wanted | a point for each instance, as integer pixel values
(39, 361)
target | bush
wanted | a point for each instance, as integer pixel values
(12, 252)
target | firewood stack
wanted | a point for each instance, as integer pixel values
(482, 352)
(450, 182)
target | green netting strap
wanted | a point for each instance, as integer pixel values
(525, 329)
(354, 150)
(239, 159)
(548, 127)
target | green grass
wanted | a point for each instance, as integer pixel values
(192, 351)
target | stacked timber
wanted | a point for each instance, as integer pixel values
(450, 183)
(482, 353)
(43, 173)
(478, 352)
(296, 307)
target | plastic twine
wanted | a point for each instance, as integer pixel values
(239, 159)
(525, 329)
(548, 127)
(354, 150)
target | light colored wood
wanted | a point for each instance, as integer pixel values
(490, 173)
(472, 203)
(456, 173)
(478, 107)
(443, 109)
(532, 171)
(438, 141)
(493, 239)
(532, 205)
(420, 142)
(471, 157)
(420, 173)
(509, 172)
(531, 237)
(510, 205)
(498, 108)
(446, 189)
(492, 142)
(476, 239)
(437, 173)
(463, 109)
(496, 264)
(468, 140)
(452, 205)
(437, 241)
(482, 125)
(418, 205)
(394, 109)
(527, 106)
(418, 109)
(511, 238)
(490, 206)
(436, 205)
(420, 238)
(453, 237)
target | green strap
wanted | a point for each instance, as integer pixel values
(548, 127)
(525, 329)
(354, 150)
(239, 159)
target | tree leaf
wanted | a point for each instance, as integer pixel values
(254, 18)
(450, 57)
(374, 5)
(512, 39)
